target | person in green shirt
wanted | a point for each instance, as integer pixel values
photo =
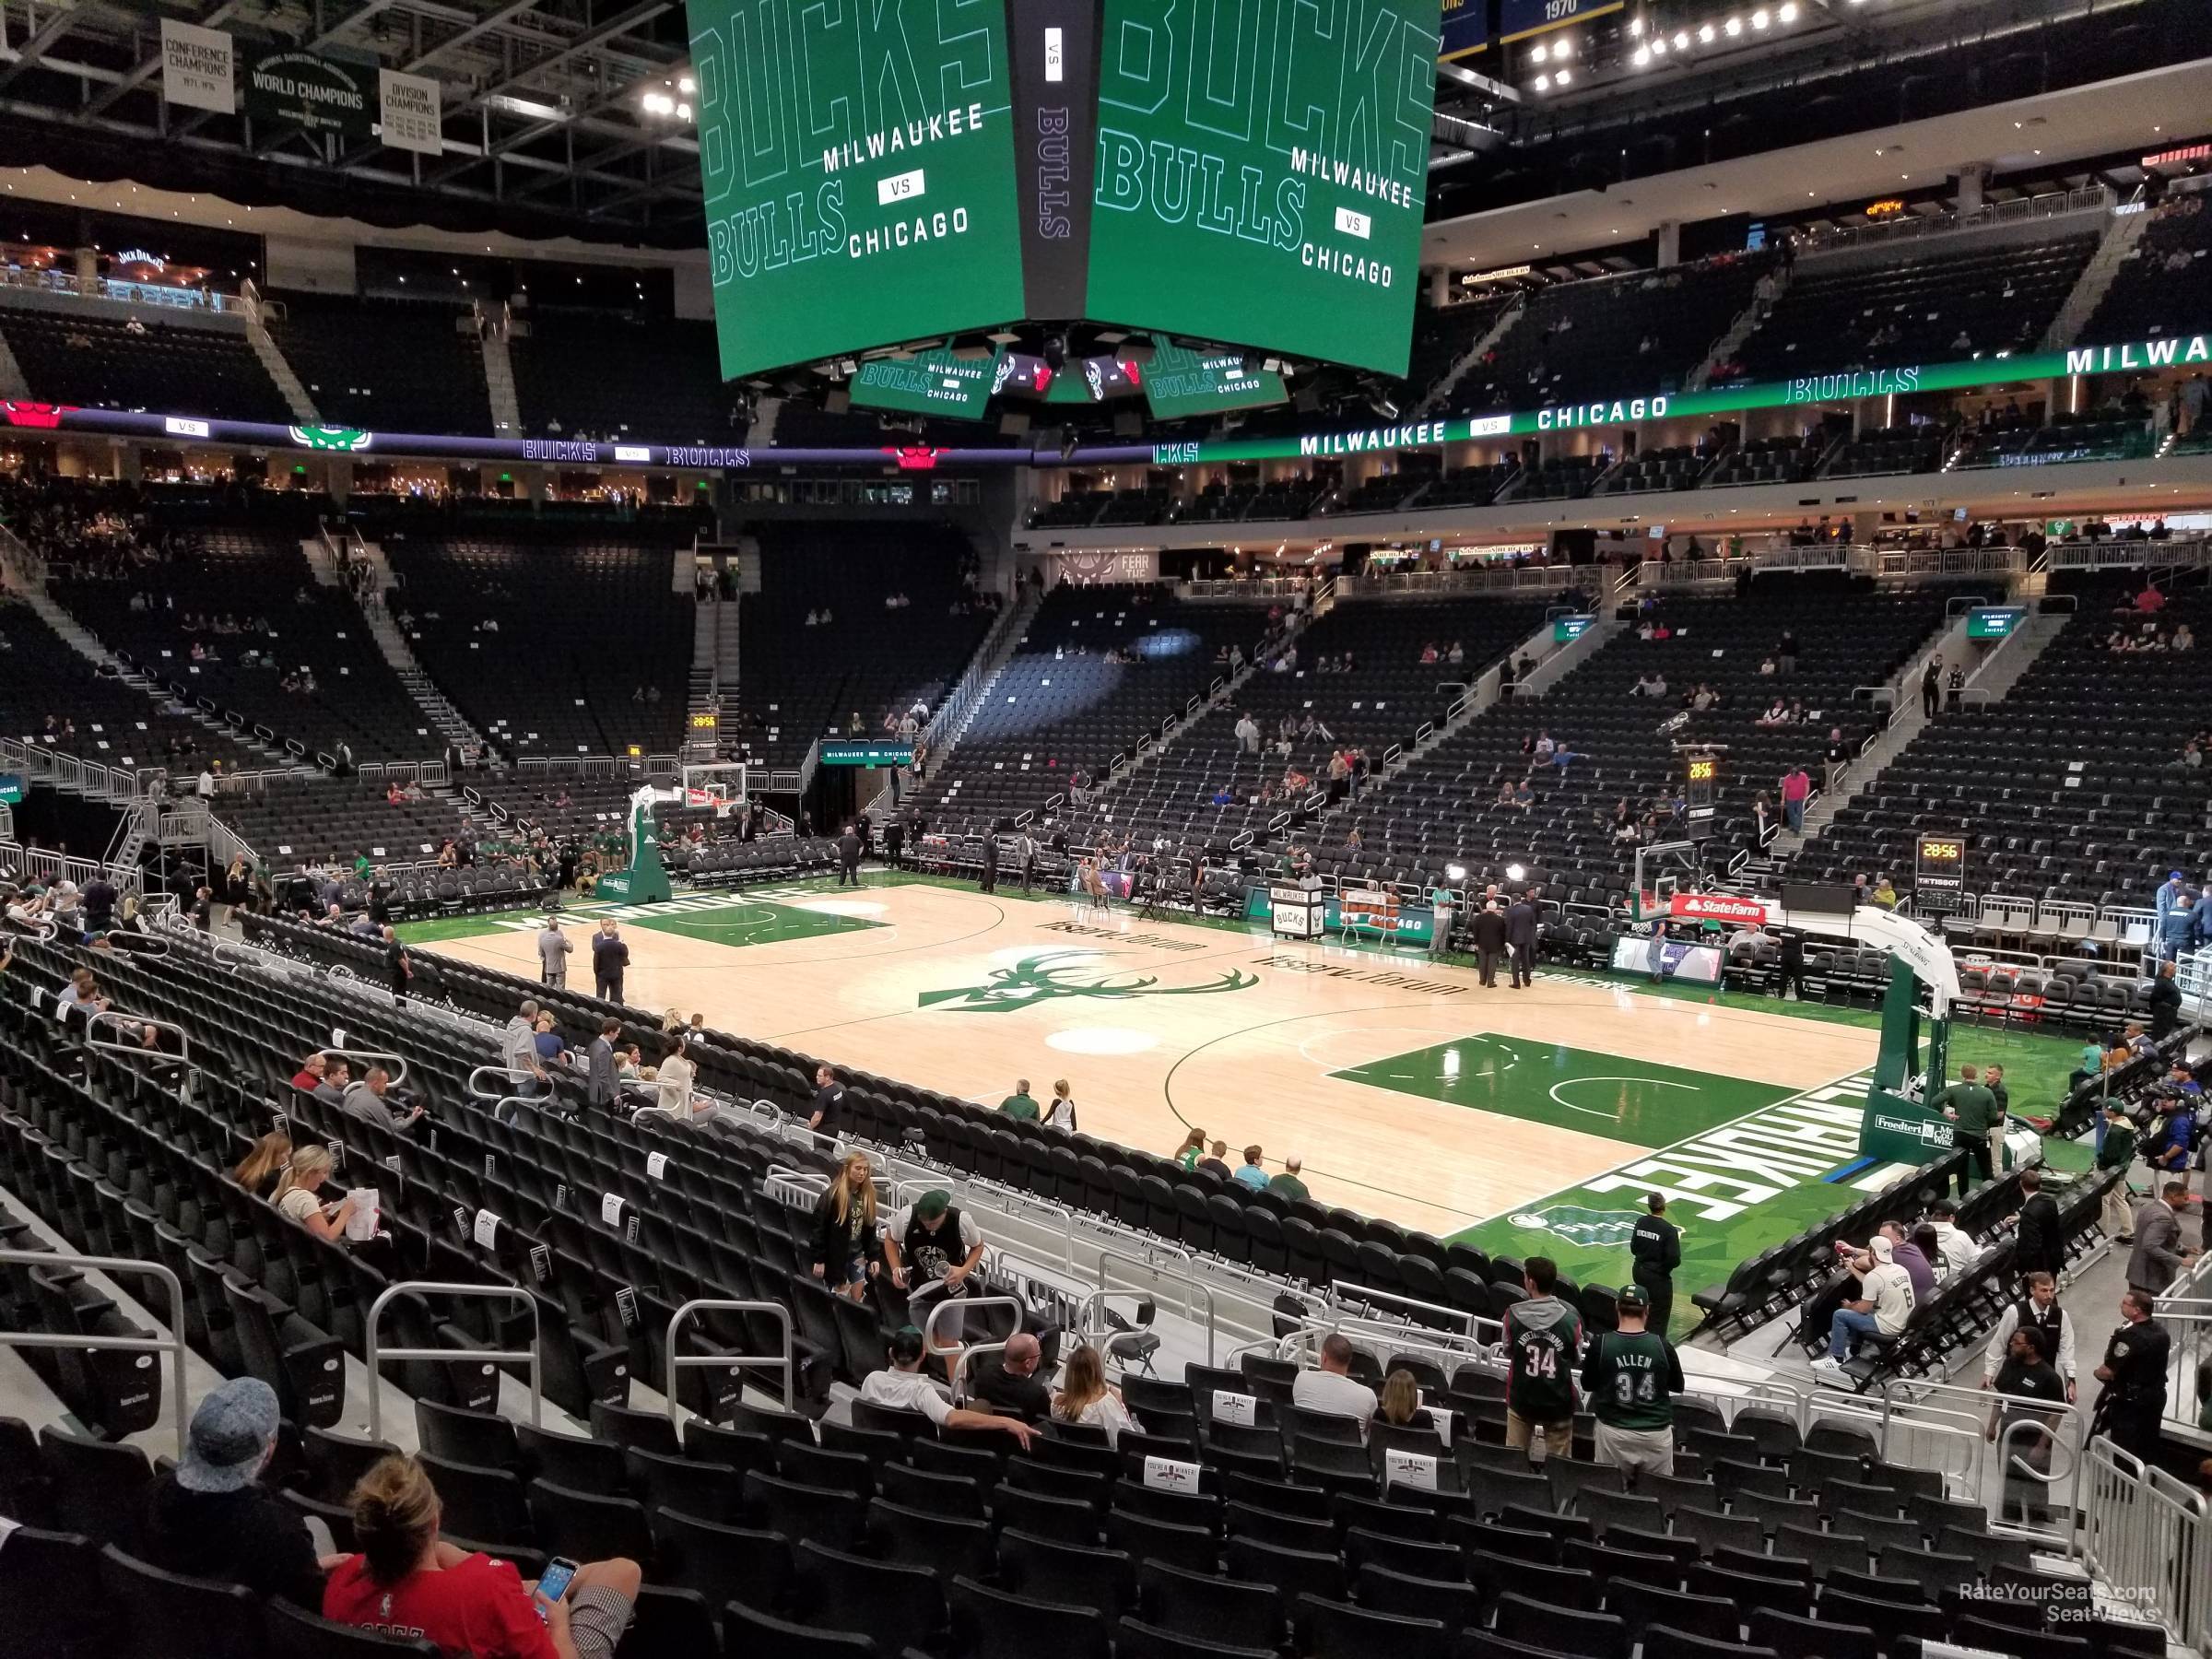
(1973, 1114)
(1018, 1105)
(2117, 1152)
(1287, 1183)
(361, 866)
(1631, 1377)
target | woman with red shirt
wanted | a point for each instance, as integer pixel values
(409, 1582)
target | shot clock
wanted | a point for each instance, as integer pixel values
(1938, 873)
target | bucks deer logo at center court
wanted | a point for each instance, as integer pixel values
(1055, 974)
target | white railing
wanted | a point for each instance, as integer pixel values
(1471, 579)
(2114, 554)
(109, 288)
(2049, 204)
(2149, 1539)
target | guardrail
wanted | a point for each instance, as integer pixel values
(374, 1351)
(1914, 228)
(172, 1345)
(2150, 1537)
(2112, 553)
(676, 1362)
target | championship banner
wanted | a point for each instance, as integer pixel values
(308, 89)
(1467, 29)
(408, 112)
(198, 67)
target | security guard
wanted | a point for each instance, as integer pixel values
(2133, 1374)
(1656, 1249)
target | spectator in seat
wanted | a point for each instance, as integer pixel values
(2040, 1246)
(211, 1517)
(1956, 1251)
(1912, 1259)
(2158, 1255)
(1631, 1377)
(903, 1388)
(1881, 1309)
(1543, 1341)
(309, 1077)
(1330, 1388)
(1086, 1396)
(1008, 1382)
(1287, 1183)
(337, 1077)
(297, 1190)
(1251, 1172)
(1021, 1106)
(365, 1099)
(261, 1172)
(2039, 1311)
(1191, 1150)
(408, 1581)
(847, 1250)
(1215, 1161)
(2133, 1405)
(1401, 1404)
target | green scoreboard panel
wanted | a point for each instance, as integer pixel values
(931, 383)
(1179, 381)
(1260, 172)
(858, 162)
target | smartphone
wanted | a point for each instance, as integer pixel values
(553, 1583)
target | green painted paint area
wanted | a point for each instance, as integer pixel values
(1636, 1102)
(754, 922)
(735, 919)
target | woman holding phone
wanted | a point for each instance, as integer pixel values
(409, 1582)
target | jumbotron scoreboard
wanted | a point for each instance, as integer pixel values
(857, 160)
(885, 172)
(1261, 170)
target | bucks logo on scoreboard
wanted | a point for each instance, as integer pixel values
(858, 165)
(1275, 160)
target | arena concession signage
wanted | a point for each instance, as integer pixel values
(1261, 172)
(858, 166)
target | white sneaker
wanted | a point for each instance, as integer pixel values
(1828, 1369)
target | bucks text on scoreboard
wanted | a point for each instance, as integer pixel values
(1274, 155)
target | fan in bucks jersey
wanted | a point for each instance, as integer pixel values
(1543, 1340)
(1631, 1377)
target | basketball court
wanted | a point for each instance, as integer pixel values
(1526, 1120)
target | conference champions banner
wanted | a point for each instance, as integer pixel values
(858, 162)
(312, 90)
(198, 67)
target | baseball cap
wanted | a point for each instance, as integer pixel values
(1880, 1246)
(1631, 1298)
(932, 1204)
(230, 1430)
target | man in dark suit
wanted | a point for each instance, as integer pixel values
(991, 859)
(1521, 934)
(1489, 927)
(2040, 1246)
(848, 857)
(894, 840)
(2165, 1003)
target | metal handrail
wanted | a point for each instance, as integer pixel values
(948, 1304)
(380, 1056)
(1190, 1287)
(373, 1352)
(172, 1345)
(2143, 1531)
(960, 1365)
(788, 1364)
(119, 1018)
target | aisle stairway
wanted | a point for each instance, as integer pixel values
(377, 609)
